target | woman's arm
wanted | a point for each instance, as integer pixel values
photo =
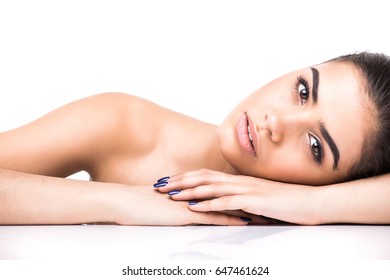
(35, 199)
(74, 137)
(364, 201)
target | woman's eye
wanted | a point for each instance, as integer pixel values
(302, 89)
(316, 148)
(303, 94)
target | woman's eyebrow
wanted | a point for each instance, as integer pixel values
(316, 79)
(325, 134)
(332, 145)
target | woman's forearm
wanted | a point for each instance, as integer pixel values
(35, 199)
(363, 201)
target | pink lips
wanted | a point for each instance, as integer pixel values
(243, 136)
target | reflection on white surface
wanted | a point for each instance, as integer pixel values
(195, 242)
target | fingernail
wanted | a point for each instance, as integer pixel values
(192, 202)
(163, 179)
(173, 192)
(246, 219)
(160, 184)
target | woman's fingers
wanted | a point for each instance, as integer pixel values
(197, 178)
(188, 180)
(208, 191)
(215, 218)
(206, 183)
(233, 202)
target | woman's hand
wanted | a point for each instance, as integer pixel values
(216, 191)
(145, 206)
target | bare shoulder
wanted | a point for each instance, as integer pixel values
(81, 134)
(123, 109)
(136, 123)
(138, 132)
(123, 103)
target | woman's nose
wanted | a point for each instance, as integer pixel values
(281, 124)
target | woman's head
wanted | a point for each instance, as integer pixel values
(317, 125)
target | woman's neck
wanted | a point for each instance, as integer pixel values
(197, 146)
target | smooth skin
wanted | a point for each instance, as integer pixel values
(125, 143)
(96, 134)
(35, 199)
(288, 118)
(363, 201)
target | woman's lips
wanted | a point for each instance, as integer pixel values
(246, 134)
(254, 139)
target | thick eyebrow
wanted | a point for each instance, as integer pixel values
(332, 145)
(325, 134)
(316, 79)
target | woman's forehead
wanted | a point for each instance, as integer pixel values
(343, 98)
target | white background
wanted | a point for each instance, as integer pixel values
(196, 57)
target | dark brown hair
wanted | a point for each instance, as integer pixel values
(375, 70)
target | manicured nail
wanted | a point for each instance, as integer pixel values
(192, 202)
(173, 192)
(163, 179)
(246, 219)
(159, 185)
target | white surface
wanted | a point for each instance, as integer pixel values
(344, 242)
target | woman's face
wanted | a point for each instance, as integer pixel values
(305, 127)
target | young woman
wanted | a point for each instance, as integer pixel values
(320, 125)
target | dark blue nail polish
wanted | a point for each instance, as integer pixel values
(174, 192)
(192, 202)
(163, 179)
(159, 185)
(246, 219)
